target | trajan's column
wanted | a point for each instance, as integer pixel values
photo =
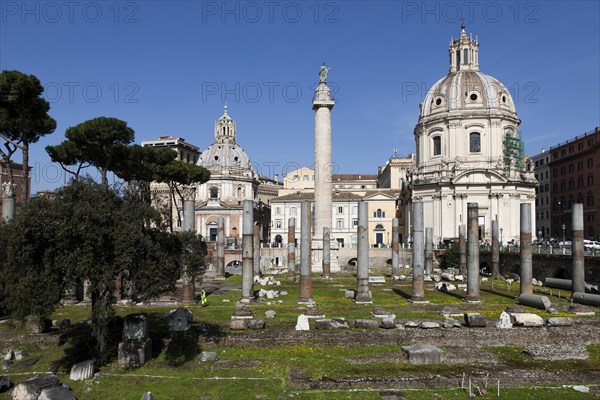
(322, 105)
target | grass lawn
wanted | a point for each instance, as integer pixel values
(266, 370)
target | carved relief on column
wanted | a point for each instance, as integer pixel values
(8, 190)
(189, 193)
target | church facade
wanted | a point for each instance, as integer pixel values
(469, 150)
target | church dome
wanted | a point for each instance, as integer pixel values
(225, 153)
(467, 90)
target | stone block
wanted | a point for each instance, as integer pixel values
(366, 323)
(430, 325)
(32, 388)
(349, 294)
(82, 371)
(302, 324)
(451, 323)
(388, 323)
(20, 354)
(134, 353)
(526, 320)
(270, 314)
(412, 324)
(256, 324)
(424, 354)
(135, 327)
(559, 321)
(329, 324)
(376, 279)
(148, 396)
(56, 393)
(237, 324)
(208, 356)
(179, 320)
(475, 320)
(504, 322)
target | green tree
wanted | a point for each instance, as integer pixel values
(88, 232)
(23, 118)
(100, 142)
(451, 258)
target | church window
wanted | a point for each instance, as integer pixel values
(473, 97)
(236, 159)
(240, 193)
(457, 59)
(504, 99)
(378, 226)
(216, 158)
(475, 142)
(214, 192)
(438, 101)
(379, 213)
(437, 146)
(466, 56)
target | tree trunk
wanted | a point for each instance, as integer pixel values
(103, 173)
(101, 313)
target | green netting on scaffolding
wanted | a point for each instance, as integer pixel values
(513, 150)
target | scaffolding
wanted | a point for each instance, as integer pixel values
(513, 150)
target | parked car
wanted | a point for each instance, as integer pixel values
(591, 245)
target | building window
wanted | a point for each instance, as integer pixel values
(354, 210)
(590, 162)
(340, 210)
(437, 145)
(296, 178)
(214, 192)
(571, 184)
(562, 170)
(580, 166)
(580, 181)
(590, 180)
(354, 222)
(379, 213)
(306, 178)
(339, 224)
(475, 142)
(590, 200)
(277, 210)
(292, 210)
(278, 224)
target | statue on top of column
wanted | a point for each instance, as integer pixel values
(323, 73)
(8, 189)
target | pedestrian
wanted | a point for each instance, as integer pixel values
(203, 298)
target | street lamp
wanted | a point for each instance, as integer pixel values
(501, 230)
(564, 239)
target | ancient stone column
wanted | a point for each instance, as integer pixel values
(248, 253)
(363, 295)
(473, 252)
(256, 254)
(395, 247)
(189, 217)
(578, 258)
(418, 283)
(8, 200)
(322, 105)
(292, 248)
(525, 247)
(221, 246)
(462, 249)
(428, 251)
(305, 256)
(326, 253)
(495, 251)
(188, 292)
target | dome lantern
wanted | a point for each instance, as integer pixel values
(464, 53)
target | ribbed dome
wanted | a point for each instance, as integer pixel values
(222, 155)
(467, 90)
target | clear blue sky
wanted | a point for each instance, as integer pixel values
(167, 67)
